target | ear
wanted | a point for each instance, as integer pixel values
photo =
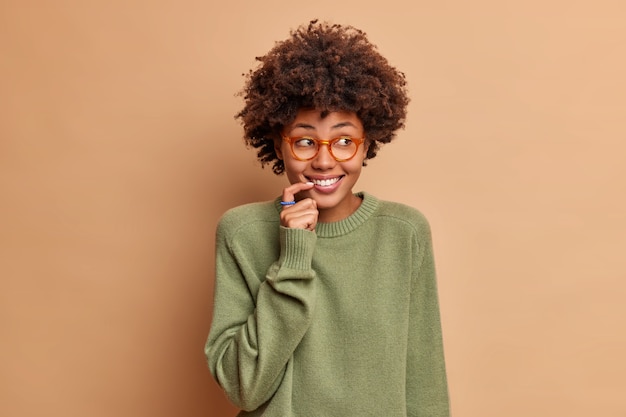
(278, 148)
(366, 146)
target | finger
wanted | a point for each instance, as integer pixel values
(299, 208)
(299, 219)
(289, 193)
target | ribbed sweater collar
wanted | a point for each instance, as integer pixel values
(361, 215)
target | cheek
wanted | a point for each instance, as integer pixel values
(355, 169)
(293, 168)
(356, 164)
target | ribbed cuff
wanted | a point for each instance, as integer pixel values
(296, 248)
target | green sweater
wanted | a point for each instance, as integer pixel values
(339, 322)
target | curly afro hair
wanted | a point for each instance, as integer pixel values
(328, 68)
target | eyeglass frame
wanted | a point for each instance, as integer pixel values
(291, 139)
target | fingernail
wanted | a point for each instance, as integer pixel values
(309, 183)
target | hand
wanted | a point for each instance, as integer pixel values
(303, 214)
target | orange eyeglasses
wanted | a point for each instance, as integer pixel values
(305, 148)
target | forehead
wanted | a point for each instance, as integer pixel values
(313, 119)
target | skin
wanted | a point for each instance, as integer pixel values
(316, 202)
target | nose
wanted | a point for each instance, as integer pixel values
(323, 159)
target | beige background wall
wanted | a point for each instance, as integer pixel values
(119, 151)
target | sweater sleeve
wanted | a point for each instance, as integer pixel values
(257, 325)
(427, 388)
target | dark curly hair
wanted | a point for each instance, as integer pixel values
(328, 67)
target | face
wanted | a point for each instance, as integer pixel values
(333, 180)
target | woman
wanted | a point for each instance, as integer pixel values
(325, 299)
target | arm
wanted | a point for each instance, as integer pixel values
(427, 389)
(255, 330)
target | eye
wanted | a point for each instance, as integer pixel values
(304, 142)
(344, 141)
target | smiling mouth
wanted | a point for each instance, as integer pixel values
(325, 182)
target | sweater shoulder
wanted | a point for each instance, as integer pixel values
(403, 213)
(247, 215)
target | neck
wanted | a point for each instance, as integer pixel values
(336, 214)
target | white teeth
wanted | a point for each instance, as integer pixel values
(325, 183)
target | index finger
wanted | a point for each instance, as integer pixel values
(289, 193)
